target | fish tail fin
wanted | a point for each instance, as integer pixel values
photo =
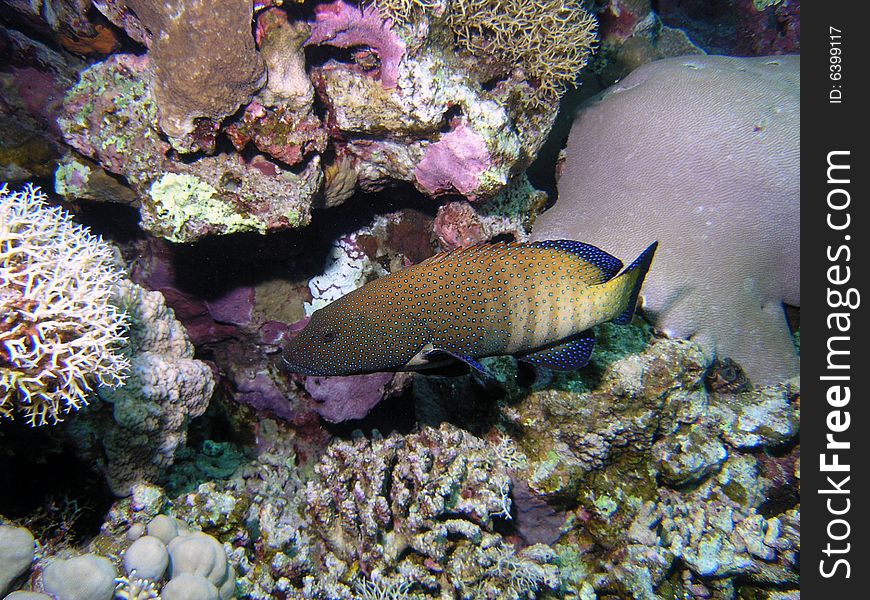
(628, 283)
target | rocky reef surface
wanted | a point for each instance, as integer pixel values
(234, 166)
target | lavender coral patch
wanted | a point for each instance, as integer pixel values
(260, 393)
(344, 25)
(454, 163)
(234, 307)
(346, 398)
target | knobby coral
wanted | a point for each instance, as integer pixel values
(59, 332)
(166, 388)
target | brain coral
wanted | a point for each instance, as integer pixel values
(702, 154)
(59, 333)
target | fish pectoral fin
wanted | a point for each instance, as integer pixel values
(429, 357)
(564, 357)
(424, 358)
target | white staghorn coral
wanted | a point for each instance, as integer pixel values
(59, 333)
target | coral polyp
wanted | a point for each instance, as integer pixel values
(58, 331)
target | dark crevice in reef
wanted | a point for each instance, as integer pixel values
(447, 121)
(392, 415)
(214, 265)
(48, 489)
(115, 222)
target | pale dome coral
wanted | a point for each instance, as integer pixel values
(59, 332)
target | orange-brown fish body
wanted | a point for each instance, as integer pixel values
(534, 300)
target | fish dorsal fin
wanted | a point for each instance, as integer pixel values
(463, 252)
(607, 264)
(564, 357)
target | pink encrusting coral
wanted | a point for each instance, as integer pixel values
(344, 25)
(454, 163)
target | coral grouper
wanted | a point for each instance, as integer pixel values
(535, 300)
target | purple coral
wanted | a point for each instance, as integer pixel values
(235, 307)
(344, 25)
(454, 163)
(346, 398)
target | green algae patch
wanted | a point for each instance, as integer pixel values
(185, 204)
(71, 179)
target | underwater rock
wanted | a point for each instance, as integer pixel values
(688, 455)
(568, 435)
(738, 28)
(280, 121)
(718, 534)
(702, 152)
(766, 417)
(406, 107)
(77, 178)
(69, 23)
(111, 117)
(510, 214)
(193, 78)
(32, 83)
(16, 553)
(407, 97)
(458, 225)
(664, 471)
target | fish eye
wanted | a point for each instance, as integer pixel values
(328, 336)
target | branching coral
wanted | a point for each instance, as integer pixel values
(422, 506)
(550, 39)
(59, 333)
